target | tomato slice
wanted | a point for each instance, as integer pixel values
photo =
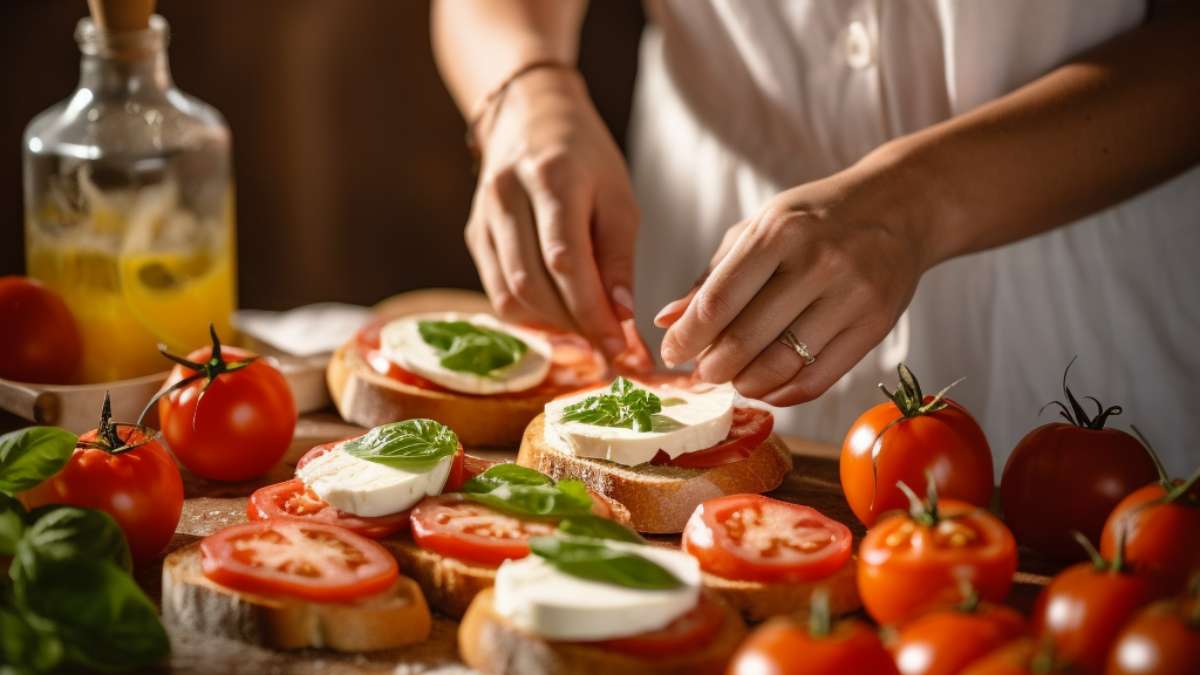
(636, 358)
(302, 559)
(292, 499)
(690, 631)
(751, 426)
(454, 480)
(756, 538)
(458, 528)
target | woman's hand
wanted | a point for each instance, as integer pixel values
(553, 221)
(833, 261)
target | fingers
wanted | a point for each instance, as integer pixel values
(777, 364)
(670, 313)
(614, 236)
(483, 251)
(835, 360)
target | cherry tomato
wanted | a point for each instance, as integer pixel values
(303, 559)
(237, 429)
(756, 538)
(139, 487)
(1063, 478)
(1161, 524)
(689, 632)
(782, 646)
(1019, 657)
(1083, 608)
(292, 499)
(945, 641)
(901, 440)
(1162, 639)
(910, 562)
(750, 427)
(458, 528)
(40, 341)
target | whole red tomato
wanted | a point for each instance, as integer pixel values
(912, 562)
(944, 641)
(904, 438)
(1019, 657)
(226, 420)
(1161, 526)
(1162, 639)
(40, 341)
(1063, 478)
(1083, 608)
(122, 470)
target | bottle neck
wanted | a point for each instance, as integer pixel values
(125, 64)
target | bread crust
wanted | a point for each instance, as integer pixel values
(396, 617)
(759, 601)
(492, 645)
(660, 499)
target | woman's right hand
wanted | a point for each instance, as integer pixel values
(553, 220)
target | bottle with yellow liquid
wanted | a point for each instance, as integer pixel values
(129, 206)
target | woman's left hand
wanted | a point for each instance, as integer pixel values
(835, 261)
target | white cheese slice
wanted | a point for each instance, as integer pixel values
(367, 488)
(537, 597)
(400, 341)
(689, 421)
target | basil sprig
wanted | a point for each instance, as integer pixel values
(68, 602)
(412, 445)
(623, 405)
(596, 560)
(471, 348)
(525, 492)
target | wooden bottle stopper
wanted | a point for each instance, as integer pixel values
(120, 16)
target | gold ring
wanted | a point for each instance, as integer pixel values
(789, 339)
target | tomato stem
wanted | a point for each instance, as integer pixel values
(909, 398)
(1076, 415)
(971, 599)
(108, 433)
(1043, 660)
(210, 370)
(820, 624)
(922, 512)
(1117, 564)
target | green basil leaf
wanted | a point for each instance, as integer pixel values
(467, 347)
(412, 445)
(505, 474)
(31, 455)
(536, 501)
(623, 405)
(12, 524)
(595, 527)
(94, 607)
(63, 532)
(595, 561)
(23, 649)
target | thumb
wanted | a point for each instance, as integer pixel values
(613, 238)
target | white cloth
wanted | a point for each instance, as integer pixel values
(737, 100)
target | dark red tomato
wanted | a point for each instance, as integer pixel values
(460, 472)
(140, 488)
(40, 341)
(943, 642)
(903, 439)
(1162, 639)
(782, 646)
(750, 428)
(239, 428)
(458, 528)
(1162, 532)
(1020, 657)
(692, 631)
(756, 538)
(1063, 478)
(292, 499)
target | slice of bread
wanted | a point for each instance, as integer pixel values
(660, 499)
(759, 601)
(492, 645)
(396, 617)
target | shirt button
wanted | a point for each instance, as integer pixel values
(860, 49)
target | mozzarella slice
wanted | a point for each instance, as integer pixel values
(367, 488)
(537, 597)
(401, 342)
(689, 421)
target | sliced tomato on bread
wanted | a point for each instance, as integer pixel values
(293, 499)
(750, 427)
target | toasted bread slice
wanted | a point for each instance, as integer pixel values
(386, 620)
(758, 601)
(660, 499)
(492, 645)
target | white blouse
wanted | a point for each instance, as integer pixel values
(737, 100)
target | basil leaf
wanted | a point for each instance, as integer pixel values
(31, 455)
(22, 648)
(94, 607)
(595, 527)
(467, 347)
(412, 445)
(64, 532)
(537, 501)
(595, 561)
(502, 474)
(12, 524)
(624, 405)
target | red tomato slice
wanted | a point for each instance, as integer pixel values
(291, 499)
(636, 358)
(307, 560)
(458, 528)
(690, 631)
(454, 481)
(756, 538)
(751, 426)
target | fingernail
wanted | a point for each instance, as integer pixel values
(670, 313)
(623, 302)
(614, 346)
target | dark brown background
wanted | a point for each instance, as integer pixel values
(352, 180)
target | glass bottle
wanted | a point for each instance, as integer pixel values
(129, 206)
